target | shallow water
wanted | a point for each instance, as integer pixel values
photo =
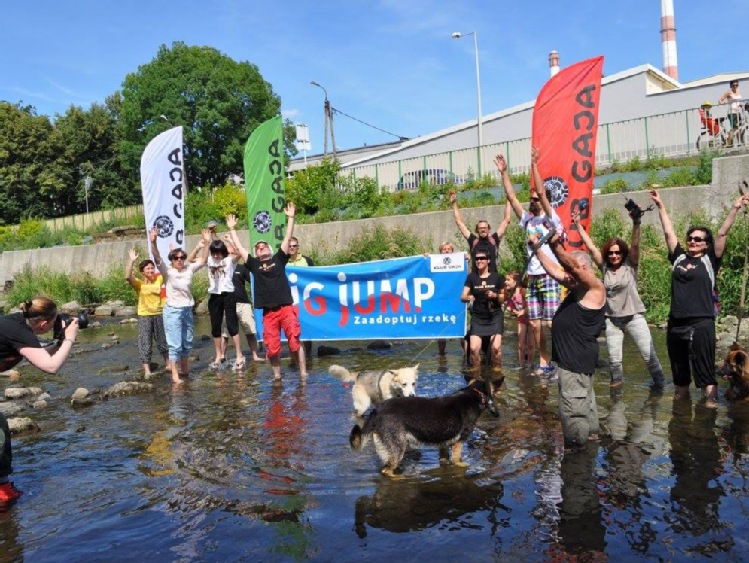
(233, 468)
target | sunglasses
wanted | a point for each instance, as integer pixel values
(293, 246)
(696, 239)
(180, 258)
(481, 258)
(614, 252)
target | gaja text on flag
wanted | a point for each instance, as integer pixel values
(162, 175)
(565, 130)
(264, 183)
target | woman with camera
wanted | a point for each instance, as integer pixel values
(691, 321)
(18, 340)
(624, 309)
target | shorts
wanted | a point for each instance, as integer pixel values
(246, 318)
(543, 297)
(283, 318)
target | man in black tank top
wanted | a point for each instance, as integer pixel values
(574, 340)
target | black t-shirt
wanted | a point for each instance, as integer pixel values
(483, 307)
(488, 245)
(691, 286)
(240, 277)
(574, 335)
(271, 284)
(15, 333)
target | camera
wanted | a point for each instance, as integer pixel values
(63, 320)
(635, 211)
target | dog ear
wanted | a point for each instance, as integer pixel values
(740, 359)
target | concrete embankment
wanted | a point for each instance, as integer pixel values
(434, 227)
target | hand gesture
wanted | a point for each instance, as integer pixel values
(206, 234)
(655, 196)
(501, 163)
(231, 221)
(71, 331)
(741, 201)
(535, 153)
(290, 210)
(576, 217)
(453, 197)
(133, 255)
(153, 234)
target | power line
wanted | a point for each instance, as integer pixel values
(400, 137)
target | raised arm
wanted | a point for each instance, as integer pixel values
(512, 197)
(132, 257)
(551, 267)
(204, 245)
(720, 240)
(538, 183)
(578, 271)
(231, 222)
(502, 229)
(668, 228)
(153, 235)
(290, 212)
(595, 253)
(634, 246)
(465, 231)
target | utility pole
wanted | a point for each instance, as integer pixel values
(328, 121)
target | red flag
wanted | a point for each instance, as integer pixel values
(565, 129)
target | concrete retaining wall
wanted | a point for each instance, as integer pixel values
(434, 227)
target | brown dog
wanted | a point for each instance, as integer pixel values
(736, 371)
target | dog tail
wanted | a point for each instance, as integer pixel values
(355, 438)
(342, 372)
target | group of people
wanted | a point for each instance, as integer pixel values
(229, 305)
(610, 303)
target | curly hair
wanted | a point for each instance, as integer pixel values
(616, 241)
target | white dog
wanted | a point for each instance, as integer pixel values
(377, 386)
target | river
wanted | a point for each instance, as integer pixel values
(234, 468)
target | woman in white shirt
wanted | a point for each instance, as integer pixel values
(178, 319)
(222, 301)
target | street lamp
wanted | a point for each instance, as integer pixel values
(328, 118)
(458, 35)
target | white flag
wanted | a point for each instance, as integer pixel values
(162, 174)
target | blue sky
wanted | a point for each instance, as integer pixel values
(390, 63)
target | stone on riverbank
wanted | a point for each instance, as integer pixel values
(128, 388)
(81, 398)
(22, 425)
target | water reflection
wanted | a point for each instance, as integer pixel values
(581, 528)
(697, 459)
(446, 501)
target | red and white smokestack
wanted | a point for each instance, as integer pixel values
(668, 39)
(553, 63)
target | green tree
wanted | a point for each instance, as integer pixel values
(86, 143)
(29, 181)
(217, 100)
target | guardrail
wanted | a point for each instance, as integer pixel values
(668, 135)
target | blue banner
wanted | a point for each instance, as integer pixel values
(417, 297)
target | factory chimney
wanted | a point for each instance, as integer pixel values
(668, 39)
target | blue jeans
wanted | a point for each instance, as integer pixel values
(638, 329)
(179, 330)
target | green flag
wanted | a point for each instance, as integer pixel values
(264, 177)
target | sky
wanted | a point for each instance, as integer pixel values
(389, 63)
